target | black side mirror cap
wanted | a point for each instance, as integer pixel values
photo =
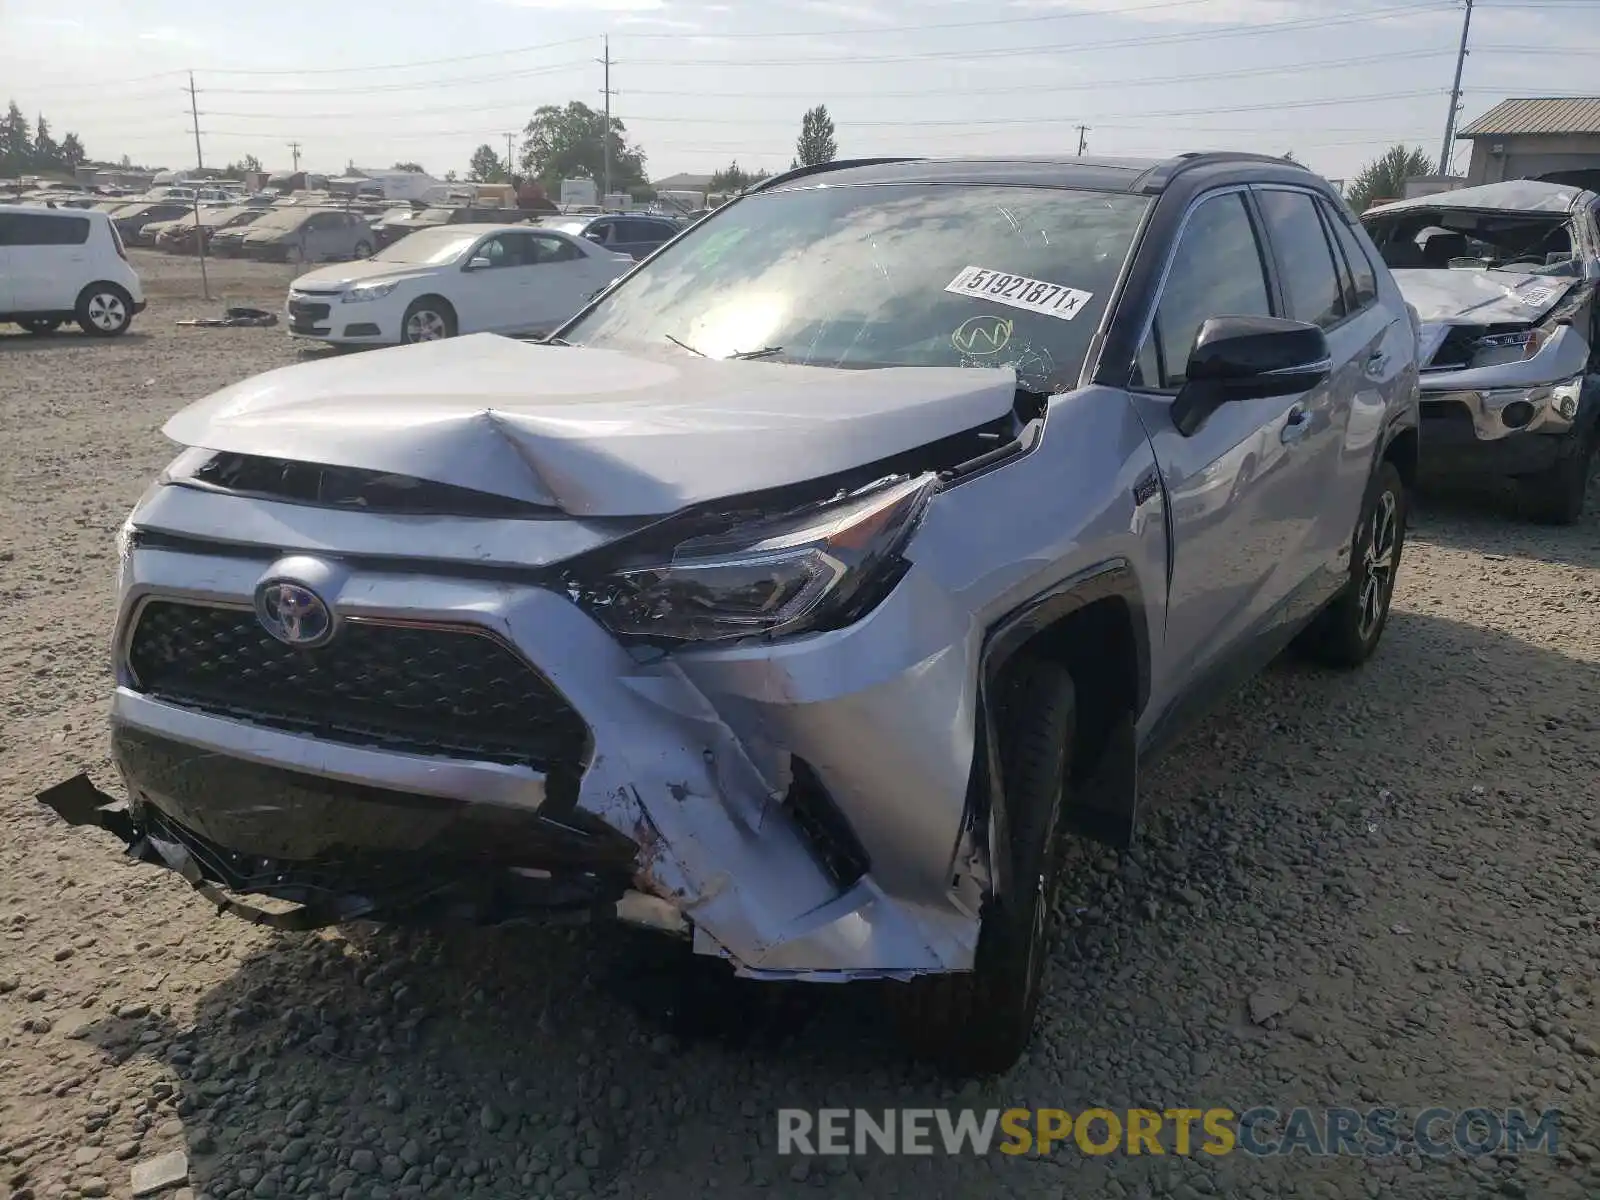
(1248, 358)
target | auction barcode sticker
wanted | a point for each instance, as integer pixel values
(1018, 291)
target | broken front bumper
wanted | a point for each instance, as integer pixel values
(1518, 430)
(469, 740)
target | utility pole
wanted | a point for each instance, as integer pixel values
(1455, 96)
(605, 135)
(1083, 132)
(294, 148)
(510, 175)
(200, 164)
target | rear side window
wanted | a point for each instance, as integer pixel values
(1216, 272)
(1305, 261)
(29, 229)
(1361, 282)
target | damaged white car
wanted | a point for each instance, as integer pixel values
(1503, 277)
(799, 595)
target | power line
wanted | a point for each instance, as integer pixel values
(413, 86)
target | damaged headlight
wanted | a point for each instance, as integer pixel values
(1500, 348)
(816, 568)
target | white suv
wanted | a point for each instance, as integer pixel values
(59, 265)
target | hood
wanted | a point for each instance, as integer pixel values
(1481, 297)
(269, 233)
(591, 432)
(337, 277)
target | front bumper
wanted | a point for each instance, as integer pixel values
(1505, 431)
(322, 317)
(801, 805)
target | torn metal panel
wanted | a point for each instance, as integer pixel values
(1481, 297)
(590, 432)
(1513, 195)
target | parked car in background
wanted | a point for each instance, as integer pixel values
(1503, 277)
(453, 279)
(60, 265)
(178, 237)
(635, 236)
(131, 221)
(798, 596)
(301, 234)
(431, 218)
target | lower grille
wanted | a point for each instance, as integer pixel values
(305, 315)
(420, 689)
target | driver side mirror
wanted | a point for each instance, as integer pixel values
(1248, 358)
(595, 237)
(479, 264)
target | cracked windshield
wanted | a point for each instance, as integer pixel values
(782, 599)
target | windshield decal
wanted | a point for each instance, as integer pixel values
(983, 335)
(1018, 291)
(1535, 295)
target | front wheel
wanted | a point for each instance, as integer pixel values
(427, 320)
(104, 310)
(1556, 496)
(39, 326)
(979, 1022)
(1347, 631)
(363, 250)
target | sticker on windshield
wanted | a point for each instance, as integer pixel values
(1018, 291)
(1536, 296)
(983, 335)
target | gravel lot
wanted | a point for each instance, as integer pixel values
(1409, 855)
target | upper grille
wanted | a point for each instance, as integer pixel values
(303, 312)
(401, 687)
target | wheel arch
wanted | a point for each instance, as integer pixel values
(1095, 624)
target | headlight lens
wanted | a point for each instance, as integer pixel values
(816, 568)
(369, 291)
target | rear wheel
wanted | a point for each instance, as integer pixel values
(104, 310)
(979, 1022)
(363, 250)
(39, 326)
(1347, 631)
(428, 319)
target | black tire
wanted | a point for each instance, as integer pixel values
(414, 323)
(1347, 632)
(979, 1022)
(363, 250)
(1556, 496)
(104, 310)
(40, 326)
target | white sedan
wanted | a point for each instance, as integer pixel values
(436, 283)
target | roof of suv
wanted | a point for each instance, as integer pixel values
(1142, 176)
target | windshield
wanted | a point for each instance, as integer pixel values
(1455, 239)
(575, 228)
(280, 218)
(885, 275)
(427, 246)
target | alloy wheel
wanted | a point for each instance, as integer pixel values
(425, 325)
(1378, 564)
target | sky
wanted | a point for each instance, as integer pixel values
(701, 83)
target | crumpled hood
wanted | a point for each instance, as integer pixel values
(339, 275)
(1481, 297)
(591, 432)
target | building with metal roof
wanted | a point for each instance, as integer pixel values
(1556, 138)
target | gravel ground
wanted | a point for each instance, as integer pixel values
(1407, 857)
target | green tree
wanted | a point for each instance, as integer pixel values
(1384, 178)
(449, 176)
(409, 166)
(1288, 157)
(734, 178)
(46, 153)
(72, 154)
(569, 142)
(485, 166)
(237, 170)
(16, 142)
(816, 145)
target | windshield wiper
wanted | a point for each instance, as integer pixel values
(685, 345)
(764, 352)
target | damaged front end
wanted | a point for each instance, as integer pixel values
(747, 721)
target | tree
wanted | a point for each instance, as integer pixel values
(570, 143)
(816, 145)
(449, 176)
(238, 170)
(409, 166)
(734, 178)
(1384, 178)
(72, 154)
(16, 142)
(1288, 157)
(485, 166)
(46, 154)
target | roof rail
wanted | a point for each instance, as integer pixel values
(1159, 177)
(838, 164)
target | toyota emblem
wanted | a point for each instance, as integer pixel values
(293, 614)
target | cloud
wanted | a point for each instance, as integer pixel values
(171, 36)
(667, 23)
(615, 6)
(845, 11)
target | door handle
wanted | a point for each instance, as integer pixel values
(1295, 426)
(1376, 360)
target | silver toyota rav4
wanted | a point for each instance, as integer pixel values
(799, 596)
